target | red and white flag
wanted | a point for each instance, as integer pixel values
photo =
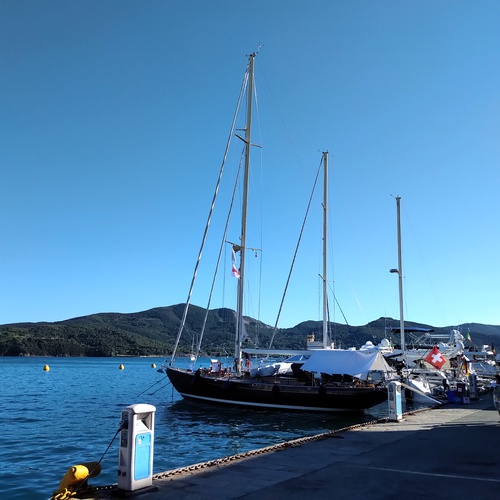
(234, 270)
(435, 358)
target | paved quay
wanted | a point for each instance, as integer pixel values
(450, 451)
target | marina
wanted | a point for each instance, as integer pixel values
(282, 373)
(326, 380)
(451, 449)
(68, 415)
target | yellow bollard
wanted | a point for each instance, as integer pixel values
(76, 478)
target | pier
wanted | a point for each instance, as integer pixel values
(449, 451)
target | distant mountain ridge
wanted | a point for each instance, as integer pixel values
(153, 333)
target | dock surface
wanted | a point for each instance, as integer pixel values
(450, 451)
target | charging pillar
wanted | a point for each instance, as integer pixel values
(135, 463)
(394, 399)
(473, 386)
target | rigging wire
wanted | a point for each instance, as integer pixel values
(295, 255)
(261, 225)
(340, 308)
(280, 116)
(212, 206)
(217, 266)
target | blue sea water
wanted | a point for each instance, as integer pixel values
(51, 420)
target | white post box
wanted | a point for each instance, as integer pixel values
(135, 462)
(395, 405)
(473, 386)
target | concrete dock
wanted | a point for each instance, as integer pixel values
(450, 451)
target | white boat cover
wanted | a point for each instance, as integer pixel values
(354, 363)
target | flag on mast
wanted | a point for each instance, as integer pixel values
(435, 358)
(234, 270)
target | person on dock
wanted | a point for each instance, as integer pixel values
(496, 392)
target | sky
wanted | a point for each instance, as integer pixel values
(114, 118)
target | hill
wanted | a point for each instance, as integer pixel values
(154, 332)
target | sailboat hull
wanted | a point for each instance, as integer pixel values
(278, 394)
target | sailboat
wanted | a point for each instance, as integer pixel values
(326, 380)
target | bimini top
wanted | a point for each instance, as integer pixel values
(410, 329)
(337, 361)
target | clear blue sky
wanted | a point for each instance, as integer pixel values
(114, 117)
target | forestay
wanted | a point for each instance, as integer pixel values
(354, 363)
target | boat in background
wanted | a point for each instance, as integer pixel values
(424, 379)
(483, 361)
(328, 380)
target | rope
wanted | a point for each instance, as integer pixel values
(63, 495)
(418, 391)
(162, 387)
(82, 485)
(152, 385)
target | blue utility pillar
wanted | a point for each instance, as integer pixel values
(135, 462)
(394, 399)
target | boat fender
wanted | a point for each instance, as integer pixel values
(196, 377)
(76, 479)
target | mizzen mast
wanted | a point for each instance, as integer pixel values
(325, 256)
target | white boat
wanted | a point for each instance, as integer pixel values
(328, 381)
(483, 361)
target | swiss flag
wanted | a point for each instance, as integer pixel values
(435, 358)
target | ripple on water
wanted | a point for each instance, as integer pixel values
(72, 413)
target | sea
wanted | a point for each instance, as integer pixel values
(53, 419)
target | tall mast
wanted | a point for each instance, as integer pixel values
(325, 235)
(400, 278)
(241, 281)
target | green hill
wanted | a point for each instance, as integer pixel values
(154, 332)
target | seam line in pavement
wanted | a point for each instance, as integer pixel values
(451, 476)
